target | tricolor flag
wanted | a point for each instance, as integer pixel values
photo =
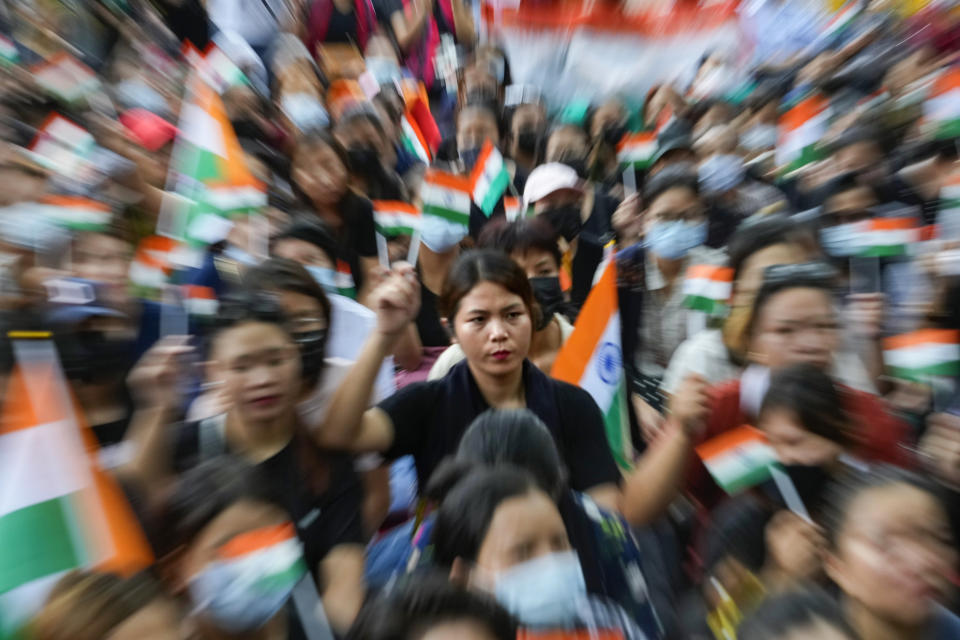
(446, 196)
(209, 171)
(200, 300)
(801, 129)
(512, 207)
(8, 51)
(948, 217)
(223, 72)
(152, 265)
(592, 359)
(843, 19)
(924, 353)
(637, 149)
(64, 147)
(76, 213)
(489, 179)
(58, 510)
(941, 111)
(413, 139)
(66, 78)
(708, 288)
(346, 285)
(887, 237)
(738, 459)
(394, 218)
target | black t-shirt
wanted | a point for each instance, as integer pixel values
(432, 333)
(386, 9)
(429, 419)
(342, 26)
(356, 238)
(595, 234)
(324, 502)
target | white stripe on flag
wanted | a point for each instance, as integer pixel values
(713, 289)
(943, 107)
(491, 169)
(922, 356)
(604, 372)
(201, 129)
(445, 197)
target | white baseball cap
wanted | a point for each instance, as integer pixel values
(547, 179)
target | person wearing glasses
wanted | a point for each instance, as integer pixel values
(794, 321)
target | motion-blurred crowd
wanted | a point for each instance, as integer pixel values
(317, 324)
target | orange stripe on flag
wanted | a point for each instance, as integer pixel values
(74, 201)
(806, 110)
(892, 224)
(599, 306)
(710, 272)
(18, 410)
(924, 336)
(395, 205)
(257, 539)
(637, 138)
(729, 440)
(948, 81)
(198, 292)
(478, 168)
(444, 179)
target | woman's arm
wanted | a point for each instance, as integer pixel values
(341, 574)
(408, 28)
(409, 350)
(463, 26)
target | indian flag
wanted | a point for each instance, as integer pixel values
(223, 72)
(413, 139)
(843, 18)
(446, 196)
(271, 556)
(395, 218)
(76, 213)
(209, 171)
(592, 359)
(58, 510)
(152, 265)
(941, 111)
(801, 129)
(921, 354)
(887, 237)
(489, 179)
(511, 207)
(8, 51)
(948, 217)
(346, 285)
(637, 149)
(738, 459)
(200, 301)
(708, 288)
(66, 78)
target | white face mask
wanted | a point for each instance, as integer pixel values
(441, 235)
(759, 137)
(840, 241)
(543, 591)
(721, 173)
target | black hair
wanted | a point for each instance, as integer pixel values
(519, 438)
(521, 235)
(316, 232)
(484, 265)
(281, 274)
(809, 394)
(414, 607)
(363, 112)
(320, 137)
(842, 493)
(672, 176)
(855, 135)
(780, 615)
(465, 514)
(241, 306)
(207, 490)
(846, 182)
(737, 530)
(757, 233)
(806, 275)
(479, 103)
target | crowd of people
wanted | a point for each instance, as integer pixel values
(331, 398)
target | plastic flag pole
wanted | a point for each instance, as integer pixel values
(382, 251)
(414, 253)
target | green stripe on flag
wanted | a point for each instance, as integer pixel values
(947, 129)
(452, 215)
(617, 430)
(497, 188)
(920, 374)
(810, 153)
(884, 251)
(394, 231)
(707, 305)
(37, 542)
(749, 479)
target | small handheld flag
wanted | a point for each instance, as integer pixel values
(801, 129)
(489, 179)
(921, 354)
(708, 288)
(738, 459)
(887, 237)
(637, 149)
(446, 196)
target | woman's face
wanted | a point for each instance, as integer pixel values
(319, 172)
(474, 127)
(751, 271)
(537, 263)
(566, 143)
(676, 204)
(795, 326)
(259, 365)
(493, 327)
(793, 444)
(894, 553)
(301, 251)
(522, 528)
(303, 312)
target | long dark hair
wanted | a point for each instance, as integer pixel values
(484, 265)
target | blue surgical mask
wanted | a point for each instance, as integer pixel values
(673, 240)
(759, 137)
(245, 593)
(469, 157)
(840, 241)
(325, 277)
(543, 591)
(721, 173)
(305, 111)
(440, 235)
(242, 256)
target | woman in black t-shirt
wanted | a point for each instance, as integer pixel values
(320, 175)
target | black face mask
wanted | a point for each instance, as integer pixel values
(811, 483)
(363, 160)
(312, 346)
(576, 162)
(549, 295)
(528, 141)
(613, 133)
(92, 357)
(565, 220)
(245, 128)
